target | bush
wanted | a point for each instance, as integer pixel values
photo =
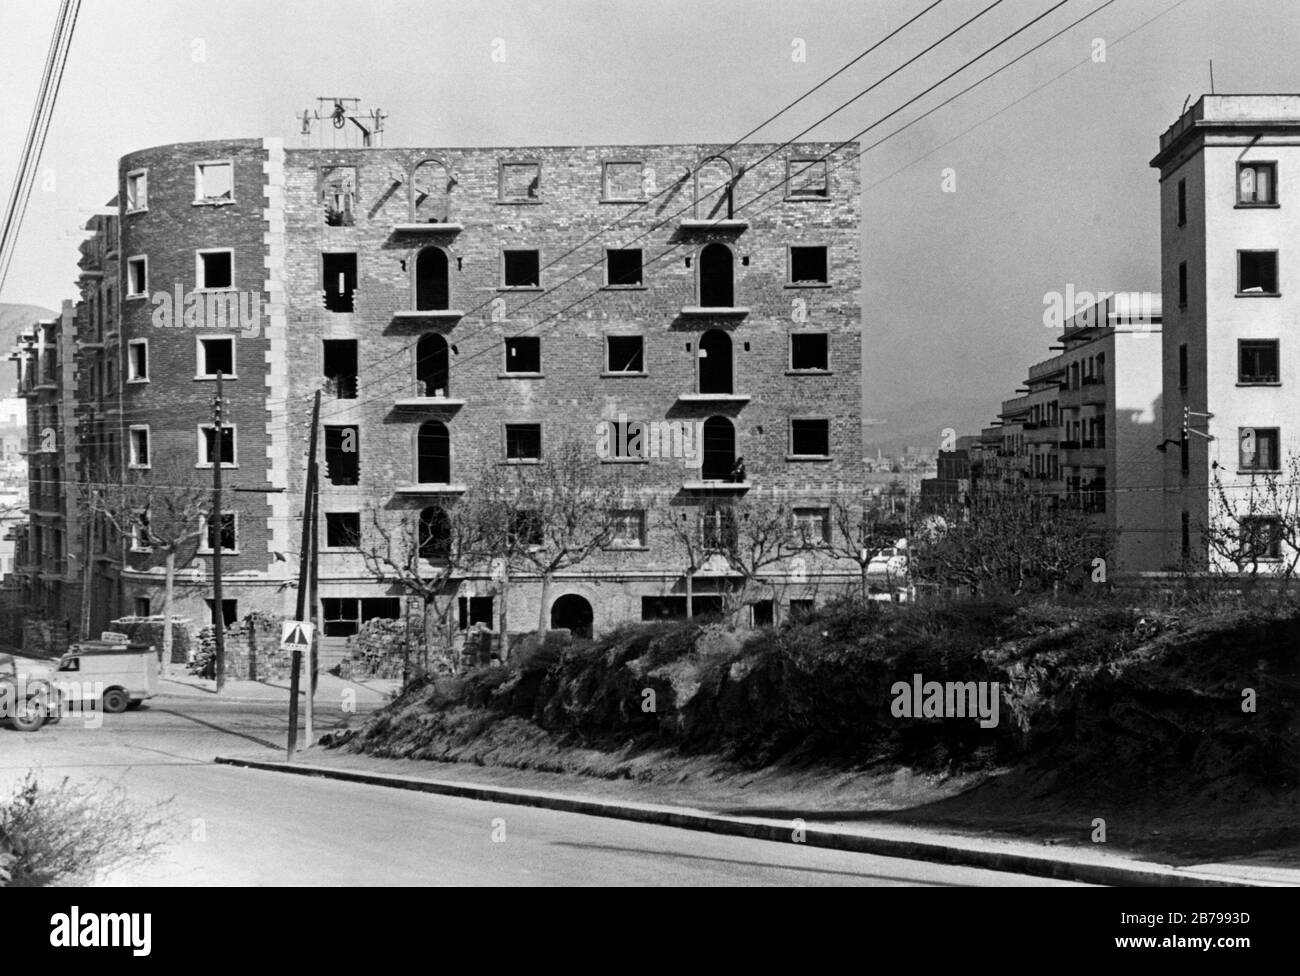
(69, 834)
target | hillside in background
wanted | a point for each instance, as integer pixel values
(919, 424)
(14, 319)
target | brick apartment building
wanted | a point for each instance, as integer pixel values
(428, 293)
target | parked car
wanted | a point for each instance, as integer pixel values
(27, 698)
(115, 675)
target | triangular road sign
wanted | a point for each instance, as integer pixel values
(296, 635)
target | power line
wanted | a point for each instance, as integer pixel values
(768, 155)
(38, 128)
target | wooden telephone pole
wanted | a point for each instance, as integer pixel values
(306, 552)
(216, 539)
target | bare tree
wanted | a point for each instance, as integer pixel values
(424, 554)
(562, 510)
(1009, 540)
(859, 530)
(752, 536)
(162, 511)
(1258, 524)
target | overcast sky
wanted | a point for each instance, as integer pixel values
(1054, 190)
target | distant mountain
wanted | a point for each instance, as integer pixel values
(920, 424)
(15, 319)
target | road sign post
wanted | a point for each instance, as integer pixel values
(296, 637)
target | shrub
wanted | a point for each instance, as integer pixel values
(69, 834)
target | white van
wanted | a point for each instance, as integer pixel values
(115, 676)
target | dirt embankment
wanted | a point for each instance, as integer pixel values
(1156, 718)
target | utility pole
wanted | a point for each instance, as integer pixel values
(218, 520)
(312, 577)
(304, 562)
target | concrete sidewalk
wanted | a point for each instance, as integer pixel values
(1089, 865)
(175, 680)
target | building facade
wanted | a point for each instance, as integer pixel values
(461, 308)
(1229, 185)
(1088, 426)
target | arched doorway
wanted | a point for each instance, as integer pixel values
(431, 366)
(573, 613)
(433, 454)
(714, 374)
(713, 186)
(431, 184)
(432, 287)
(719, 449)
(435, 533)
(717, 283)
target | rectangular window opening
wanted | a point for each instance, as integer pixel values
(521, 269)
(137, 360)
(339, 272)
(338, 194)
(475, 610)
(1257, 272)
(810, 351)
(523, 442)
(1257, 184)
(227, 445)
(1258, 361)
(808, 266)
(1259, 448)
(217, 356)
(227, 530)
(808, 178)
(624, 181)
(520, 182)
(216, 269)
(623, 266)
(214, 182)
(810, 437)
(625, 354)
(342, 454)
(524, 354)
(137, 277)
(139, 447)
(629, 529)
(341, 367)
(342, 530)
(137, 191)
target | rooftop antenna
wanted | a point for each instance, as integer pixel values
(1211, 76)
(338, 112)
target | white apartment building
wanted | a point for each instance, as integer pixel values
(1230, 257)
(1088, 423)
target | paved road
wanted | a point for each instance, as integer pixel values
(246, 827)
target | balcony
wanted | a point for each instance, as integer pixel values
(1093, 392)
(430, 489)
(714, 398)
(717, 486)
(428, 403)
(1083, 456)
(425, 317)
(426, 230)
(721, 225)
(1042, 434)
(714, 311)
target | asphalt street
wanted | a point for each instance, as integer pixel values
(234, 826)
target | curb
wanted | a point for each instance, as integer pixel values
(1146, 875)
